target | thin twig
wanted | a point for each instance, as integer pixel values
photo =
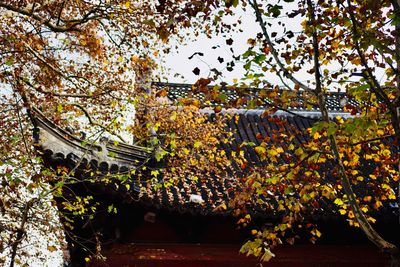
(91, 121)
(274, 52)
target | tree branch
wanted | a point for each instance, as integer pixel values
(94, 123)
(41, 90)
(274, 52)
(375, 86)
(31, 14)
(359, 215)
(21, 230)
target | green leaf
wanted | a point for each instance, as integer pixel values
(222, 97)
(251, 104)
(154, 173)
(160, 154)
(9, 61)
(112, 154)
(149, 22)
(111, 209)
(275, 10)
(248, 53)
(247, 65)
(259, 58)
(197, 144)
(288, 190)
(59, 108)
(331, 129)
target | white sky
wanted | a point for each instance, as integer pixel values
(177, 61)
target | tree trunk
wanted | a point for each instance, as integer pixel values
(359, 215)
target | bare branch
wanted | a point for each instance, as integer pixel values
(41, 90)
(30, 13)
(21, 230)
(91, 121)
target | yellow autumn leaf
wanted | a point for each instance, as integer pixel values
(51, 248)
(351, 214)
(386, 186)
(372, 176)
(173, 116)
(377, 204)
(338, 202)
(304, 23)
(356, 61)
(308, 173)
(186, 151)
(273, 152)
(316, 232)
(386, 152)
(316, 135)
(261, 151)
(364, 209)
(267, 255)
(197, 144)
(340, 119)
(326, 191)
(299, 151)
(135, 59)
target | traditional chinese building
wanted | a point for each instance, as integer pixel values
(190, 223)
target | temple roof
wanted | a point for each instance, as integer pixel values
(60, 148)
(335, 101)
(215, 192)
(207, 195)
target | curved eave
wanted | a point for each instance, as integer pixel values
(59, 143)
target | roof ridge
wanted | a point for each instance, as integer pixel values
(336, 101)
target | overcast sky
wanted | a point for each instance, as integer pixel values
(178, 60)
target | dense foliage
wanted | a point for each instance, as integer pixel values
(92, 60)
(316, 47)
(71, 59)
